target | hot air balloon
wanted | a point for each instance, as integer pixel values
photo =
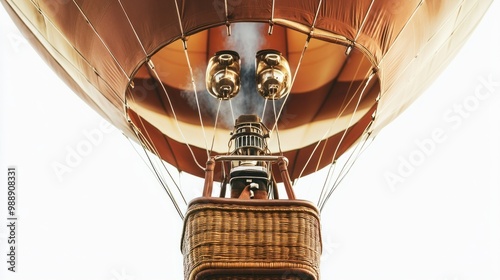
(249, 84)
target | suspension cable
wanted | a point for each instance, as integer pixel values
(47, 19)
(357, 151)
(264, 110)
(352, 116)
(151, 65)
(343, 107)
(361, 149)
(402, 29)
(349, 125)
(215, 126)
(158, 175)
(152, 147)
(128, 78)
(152, 168)
(277, 130)
(232, 111)
(193, 81)
(133, 28)
(334, 121)
(364, 21)
(332, 163)
(157, 76)
(271, 20)
(306, 44)
(102, 41)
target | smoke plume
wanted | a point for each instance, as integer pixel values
(246, 39)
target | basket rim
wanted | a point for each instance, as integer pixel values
(253, 202)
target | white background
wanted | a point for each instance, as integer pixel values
(109, 219)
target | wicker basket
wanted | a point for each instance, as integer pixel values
(251, 239)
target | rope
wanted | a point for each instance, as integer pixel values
(159, 177)
(364, 21)
(345, 132)
(334, 121)
(306, 44)
(102, 41)
(183, 38)
(118, 97)
(153, 69)
(271, 21)
(215, 126)
(350, 163)
(264, 111)
(277, 130)
(232, 111)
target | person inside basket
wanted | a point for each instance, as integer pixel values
(253, 191)
(249, 182)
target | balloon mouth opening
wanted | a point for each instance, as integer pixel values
(174, 103)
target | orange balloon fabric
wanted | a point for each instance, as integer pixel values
(358, 65)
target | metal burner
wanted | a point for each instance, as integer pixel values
(249, 138)
(273, 74)
(223, 75)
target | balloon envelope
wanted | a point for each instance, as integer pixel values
(141, 64)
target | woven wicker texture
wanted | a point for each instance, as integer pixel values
(251, 239)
